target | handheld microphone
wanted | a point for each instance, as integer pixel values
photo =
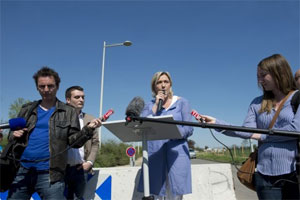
(106, 115)
(160, 102)
(14, 124)
(196, 115)
(134, 108)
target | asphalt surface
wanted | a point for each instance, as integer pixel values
(241, 192)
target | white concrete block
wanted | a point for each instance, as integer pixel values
(209, 182)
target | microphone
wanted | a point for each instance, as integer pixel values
(106, 115)
(160, 102)
(14, 124)
(196, 115)
(134, 108)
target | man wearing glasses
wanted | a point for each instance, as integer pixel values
(51, 127)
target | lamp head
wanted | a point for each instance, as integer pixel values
(127, 43)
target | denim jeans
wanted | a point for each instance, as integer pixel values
(29, 181)
(75, 181)
(276, 187)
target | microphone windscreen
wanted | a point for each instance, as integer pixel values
(17, 123)
(135, 107)
(195, 114)
(107, 114)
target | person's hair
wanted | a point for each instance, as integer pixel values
(68, 92)
(154, 80)
(44, 72)
(1, 135)
(297, 74)
(278, 67)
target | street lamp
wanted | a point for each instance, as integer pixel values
(126, 43)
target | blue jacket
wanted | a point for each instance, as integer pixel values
(170, 157)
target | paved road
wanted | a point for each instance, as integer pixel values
(241, 192)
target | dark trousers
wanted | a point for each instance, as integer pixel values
(276, 187)
(75, 181)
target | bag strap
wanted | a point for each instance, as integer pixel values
(279, 109)
(295, 101)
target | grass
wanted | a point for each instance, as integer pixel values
(112, 154)
(225, 157)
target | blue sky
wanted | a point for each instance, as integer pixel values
(210, 48)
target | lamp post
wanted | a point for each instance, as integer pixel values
(126, 43)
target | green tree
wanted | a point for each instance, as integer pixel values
(15, 107)
(112, 154)
(191, 144)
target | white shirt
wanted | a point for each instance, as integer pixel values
(174, 99)
(75, 156)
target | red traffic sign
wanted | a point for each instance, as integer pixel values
(130, 151)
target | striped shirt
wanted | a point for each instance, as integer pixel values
(276, 154)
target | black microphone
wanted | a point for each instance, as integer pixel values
(134, 108)
(160, 102)
(14, 124)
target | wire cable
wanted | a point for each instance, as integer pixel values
(233, 162)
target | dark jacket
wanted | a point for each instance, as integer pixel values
(64, 130)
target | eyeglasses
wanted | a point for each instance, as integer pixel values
(50, 87)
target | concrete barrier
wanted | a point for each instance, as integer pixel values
(209, 182)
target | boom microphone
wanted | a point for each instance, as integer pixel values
(106, 115)
(14, 124)
(135, 107)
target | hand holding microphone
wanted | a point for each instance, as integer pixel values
(197, 116)
(107, 114)
(203, 118)
(95, 123)
(19, 133)
(18, 125)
